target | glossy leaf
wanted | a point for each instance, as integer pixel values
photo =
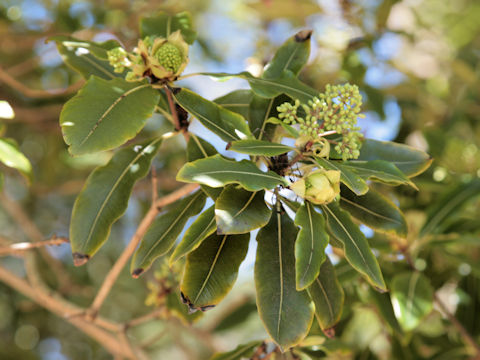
(310, 245)
(162, 25)
(163, 232)
(449, 204)
(374, 210)
(228, 125)
(258, 113)
(86, 57)
(216, 171)
(244, 351)
(197, 148)
(11, 156)
(384, 306)
(286, 313)
(104, 197)
(286, 83)
(412, 299)
(211, 270)
(203, 226)
(327, 295)
(353, 181)
(238, 211)
(407, 159)
(379, 170)
(237, 101)
(104, 114)
(259, 147)
(292, 56)
(355, 245)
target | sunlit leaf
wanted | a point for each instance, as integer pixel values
(11, 156)
(87, 57)
(353, 181)
(286, 313)
(237, 101)
(412, 299)
(309, 245)
(355, 245)
(104, 198)
(259, 147)
(163, 232)
(211, 269)
(104, 114)
(238, 211)
(228, 125)
(216, 171)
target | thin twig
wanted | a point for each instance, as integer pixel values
(17, 248)
(465, 334)
(174, 112)
(34, 93)
(62, 309)
(135, 240)
(145, 318)
(154, 185)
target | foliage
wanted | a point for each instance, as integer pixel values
(344, 236)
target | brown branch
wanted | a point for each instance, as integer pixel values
(173, 110)
(64, 309)
(34, 93)
(465, 334)
(17, 248)
(130, 249)
(145, 318)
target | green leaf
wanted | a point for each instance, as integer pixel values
(258, 114)
(448, 205)
(353, 181)
(238, 211)
(408, 160)
(104, 114)
(287, 83)
(355, 245)
(11, 156)
(379, 170)
(238, 316)
(412, 299)
(104, 197)
(375, 211)
(162, 25)
(163, 232)
(197, 148)
(178, 309)
(211, 270)
(86, 57)
(310, 245)
(327, 295)
(216, 171)
(203, 226)
(384, 306)
(286, 313)
(228, 125)
(237, 101)
(290, 130)
(259, 147)
(241, 352)
(292, 55)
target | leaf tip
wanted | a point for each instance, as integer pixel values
(80, 259)
(303, 35)
(137, 272)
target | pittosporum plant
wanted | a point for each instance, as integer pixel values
(309, 181)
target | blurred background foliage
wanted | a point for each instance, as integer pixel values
(417, 64)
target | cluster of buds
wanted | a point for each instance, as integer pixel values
(161, 58)
(319, 186)
(335, 110)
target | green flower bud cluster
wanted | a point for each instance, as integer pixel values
(118, 58)
(154, 57)
(335, 110)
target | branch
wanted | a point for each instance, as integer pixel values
(130, 249)
(34, 93)
(64, 310)
(17, 248)
(174, 112)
